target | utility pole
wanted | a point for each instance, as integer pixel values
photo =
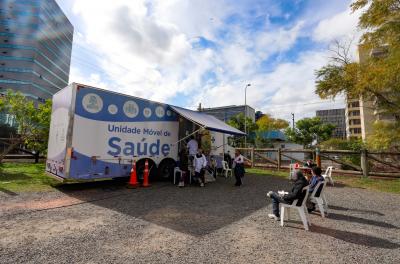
(245, 114)
(293, 121)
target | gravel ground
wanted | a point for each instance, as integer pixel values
(107, 223)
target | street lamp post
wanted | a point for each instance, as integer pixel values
(245, 112)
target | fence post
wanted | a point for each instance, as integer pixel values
(279, 158)
(317, 157)
(364, 162)
(252, 157)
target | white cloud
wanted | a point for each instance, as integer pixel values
(277, 40)
(341, 25)
(144, 48)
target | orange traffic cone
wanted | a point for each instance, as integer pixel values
(146, 174)
(133, 182)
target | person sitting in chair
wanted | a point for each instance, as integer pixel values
(288, 197)
(315, 179)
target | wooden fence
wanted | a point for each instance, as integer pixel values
(18, 152)
(364, 163)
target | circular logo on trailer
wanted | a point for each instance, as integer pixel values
(112, 109)
(160, 112)
(147, 112)
(92, 103)
(169, 113)
(131, 109)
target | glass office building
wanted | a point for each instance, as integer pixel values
(35, 47)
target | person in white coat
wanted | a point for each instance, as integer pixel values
(200, 163)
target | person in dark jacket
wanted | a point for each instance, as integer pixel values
(281, 197)
(183, 165)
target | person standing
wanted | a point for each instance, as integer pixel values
(200, 163)
(192, 146)
(238, 164)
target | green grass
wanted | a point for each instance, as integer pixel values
(25, 177)
(390, 186)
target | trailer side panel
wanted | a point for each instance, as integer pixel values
(111, 129)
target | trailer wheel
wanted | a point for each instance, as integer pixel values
(165, 170)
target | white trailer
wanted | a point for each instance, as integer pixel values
(96, 133)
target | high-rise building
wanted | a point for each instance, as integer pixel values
(35, 47)
(335, 117)
(224, 113)
(361, 113)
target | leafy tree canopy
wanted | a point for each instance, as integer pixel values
(308, 131)
(238, 122)
(266, 123)
(376, 77)
(33, 122)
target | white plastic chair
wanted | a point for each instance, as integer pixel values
(226, 169)
(328, 175)
(320, 201)
(302, 209)
(177, 169)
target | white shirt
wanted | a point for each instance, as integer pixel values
(199, 163)
(238, 160)
(193, 147)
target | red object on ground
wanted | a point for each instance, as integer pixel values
(146, 174)
(133, 182)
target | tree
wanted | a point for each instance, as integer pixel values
(267, 123)
(376, 77)
(33, 122)
(309, 130)
(237, 121)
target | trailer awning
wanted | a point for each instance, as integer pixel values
(207, 121)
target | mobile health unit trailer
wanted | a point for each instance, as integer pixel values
(96, 133)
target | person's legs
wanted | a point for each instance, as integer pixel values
(197, 176)
(276, 199)
(310, 205)
(202, 178)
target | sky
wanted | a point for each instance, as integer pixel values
(186, 52)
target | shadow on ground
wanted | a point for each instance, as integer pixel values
(191, 210)
(360, 220)
(340, 208)
(355, 238)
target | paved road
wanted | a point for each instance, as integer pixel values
(104, 223)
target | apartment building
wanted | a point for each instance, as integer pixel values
(335, 117)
